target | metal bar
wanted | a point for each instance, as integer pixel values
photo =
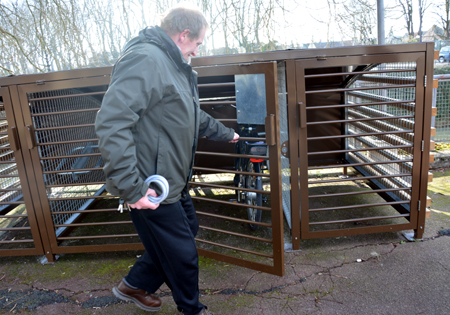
(76, 198)
(85, 211)
(226, 120)
(358, 164)
(387, 154)
(234, 248)
(93, 224)
(361, 206)
(17, 241)
(237, 204)
(67, 142)
(75, 111)
(65, 127)
(16, 229)
(359, 150)
(219, 170)
(380, 23)
(88, 237)
(361, 219)
(65, 96)
(203, 184)
(378, 98)
(217, 103)
(376, 126)
(74, 170)
(357, 120)
(370, 112)
(372, 191)
(249, 156)
(68, 156)
(78, 184)
(424, 100)
(360, 89)
(358, 231)
(326, 75)
(357, 178)
(255, 238)
(8, 162)
(403, 104)
(359, 135)
(9, 216)
(251, 139)
(293, 151)
(387, 80)
(207, 85)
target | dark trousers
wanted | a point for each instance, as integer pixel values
(170, 253)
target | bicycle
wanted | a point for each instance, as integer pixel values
(251, 165)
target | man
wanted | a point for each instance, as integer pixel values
(149, 123)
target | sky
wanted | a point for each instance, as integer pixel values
(308, 21)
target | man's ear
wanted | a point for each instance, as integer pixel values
(184, 35)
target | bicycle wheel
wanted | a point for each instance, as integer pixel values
(253, 199)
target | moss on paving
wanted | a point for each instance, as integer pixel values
(73, 266)
(439, 192)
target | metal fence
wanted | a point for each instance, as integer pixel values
(442, 100)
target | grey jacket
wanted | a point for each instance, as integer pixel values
(150, 118)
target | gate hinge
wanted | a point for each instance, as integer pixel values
(425, 81)
(285, 149)
(40, 82)
(418, 209)
(423, 144)
(321, 57)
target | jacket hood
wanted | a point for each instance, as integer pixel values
(156, 36)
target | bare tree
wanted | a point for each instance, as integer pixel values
(442, 11)
(423, 6)
(355, 18)
(406, 9)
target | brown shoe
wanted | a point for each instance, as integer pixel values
(141, 298)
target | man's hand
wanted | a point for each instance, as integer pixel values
(144, 203)
(235, 138)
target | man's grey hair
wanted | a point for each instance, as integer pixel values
(180, 18)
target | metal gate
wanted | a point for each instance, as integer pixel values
(358, 130)
(64, 170)
(351, 127)
(225, 234)
(372, 121)
(19, 231)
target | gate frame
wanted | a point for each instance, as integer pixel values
(13, 116)
(290, 56)
(303, 64)
(273, 140)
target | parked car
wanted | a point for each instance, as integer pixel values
(444, 54)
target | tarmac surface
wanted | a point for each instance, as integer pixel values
(368, 274)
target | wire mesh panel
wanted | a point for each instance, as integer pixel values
(80, 215)
(239, 195)
(367, 118)
(18, 228)
(63, 124)
(442, 120)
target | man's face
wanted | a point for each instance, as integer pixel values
(189, 46)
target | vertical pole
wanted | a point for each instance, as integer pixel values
(380, 19)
